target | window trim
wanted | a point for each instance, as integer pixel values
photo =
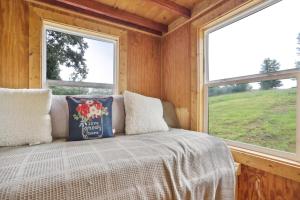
(47, 25)
(283, 74)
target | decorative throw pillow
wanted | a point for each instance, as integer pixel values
(89, 118)
(143, 114)
(24, 116)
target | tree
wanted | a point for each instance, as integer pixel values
(60, 90)
(68, 50)
(268, 66)
(242, 87)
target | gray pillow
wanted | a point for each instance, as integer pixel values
(170, 114)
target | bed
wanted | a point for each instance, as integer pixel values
(177, 164)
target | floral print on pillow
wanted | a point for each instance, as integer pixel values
(89, 118)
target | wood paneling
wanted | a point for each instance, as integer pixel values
(173, 7)
(144, 64)
(20, 60)
(257, 184)
(143, 8)
(271, 164)
(148, 9)
(187, 3)
(109, 13)
(176, 72)
(14, 44)
(199, 9)
(182, 72)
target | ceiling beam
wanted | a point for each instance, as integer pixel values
(100, 10)
(173, 7)
(200, 9)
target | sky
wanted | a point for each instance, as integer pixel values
(240, 48)
(100, 62)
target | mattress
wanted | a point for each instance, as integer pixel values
(177, 164)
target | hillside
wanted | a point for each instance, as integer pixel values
(266, 118)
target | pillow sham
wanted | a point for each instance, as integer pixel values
(143, 114)
(89, 118)
(24, 116)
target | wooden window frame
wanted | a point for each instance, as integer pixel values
(86, 34)
(40, 14)
(283, 74)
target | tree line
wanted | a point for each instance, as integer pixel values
(268, 66)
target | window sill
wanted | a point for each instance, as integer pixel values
(271, 164)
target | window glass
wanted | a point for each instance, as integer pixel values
(79, 58)
(241, 48)
(65, 90)
(261, 113)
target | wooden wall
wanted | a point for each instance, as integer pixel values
(177, 83)
(176, 72)
(13, 44)
(257, 184)
(155, 67)
(14, 52)
(144, 64)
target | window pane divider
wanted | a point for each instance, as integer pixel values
(79, 84)
(283, 74)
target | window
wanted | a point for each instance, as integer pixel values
(252, 74)
(78, 62)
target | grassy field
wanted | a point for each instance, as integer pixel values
(266, 118)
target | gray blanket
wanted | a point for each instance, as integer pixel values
(168, 165)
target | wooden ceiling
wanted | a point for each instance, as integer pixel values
(150, 9)
(152, 16)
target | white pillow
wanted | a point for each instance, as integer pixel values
(24, 116)
(143, 114)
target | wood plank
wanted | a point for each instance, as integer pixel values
(144, 64)
(197, 79)
(93, 17)
(110, 13)
(143, 8)
(237, 167)
(176, 73)
(273, 165)
(173, 7)
(35, 66)
(202, 8)
(14, 44)
(238, 172)
(257, 184)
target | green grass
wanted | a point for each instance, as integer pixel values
(264, 117)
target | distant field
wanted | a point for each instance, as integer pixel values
(266, 118)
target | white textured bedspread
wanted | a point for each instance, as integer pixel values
(168, 165)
